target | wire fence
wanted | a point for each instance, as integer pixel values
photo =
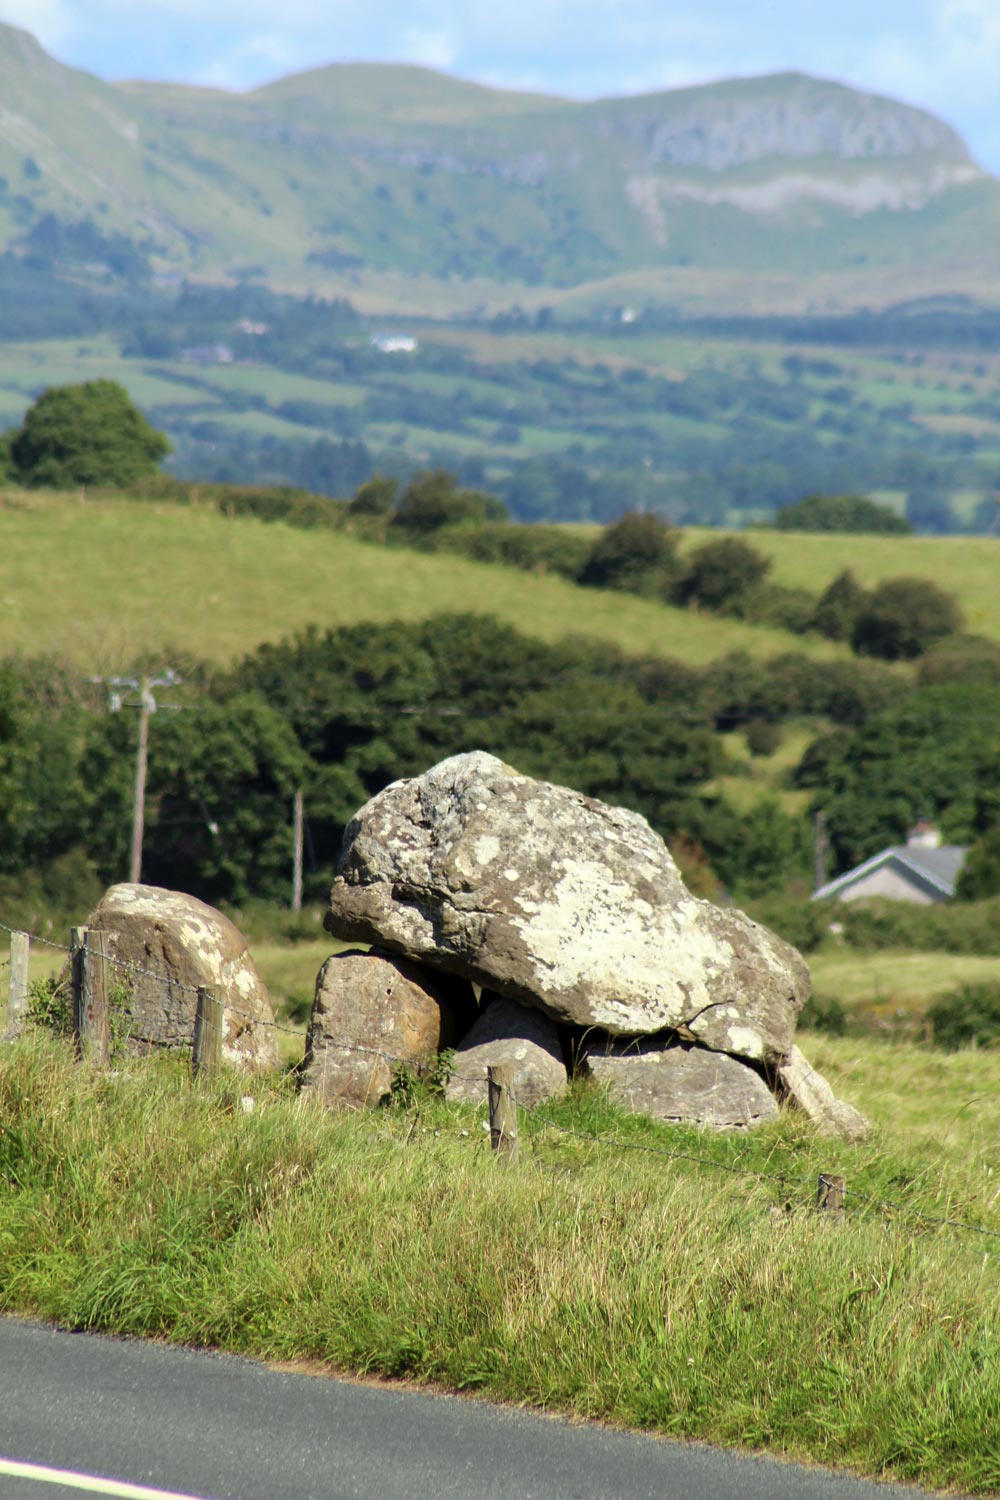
(212, 1019)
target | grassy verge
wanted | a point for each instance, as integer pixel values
(609, 1283)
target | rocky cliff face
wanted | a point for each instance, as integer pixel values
(724, 126)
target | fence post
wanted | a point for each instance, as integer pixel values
(17, 992)
(503, 1109)
(830, 1193)
(90, 994)
(208, 1020)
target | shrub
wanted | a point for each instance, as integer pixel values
(855, 513)
(836, 613)
(980, 875)
(637, 554)
(823, 1013)
(721, 572)
(903, 617)
(969, 1016)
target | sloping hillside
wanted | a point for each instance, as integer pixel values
(360, 176)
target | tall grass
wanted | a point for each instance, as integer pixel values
(613, 1283)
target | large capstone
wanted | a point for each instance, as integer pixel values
(559, 901)
(163, 945)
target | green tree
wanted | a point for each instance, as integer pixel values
(86, 434)
(636, 553)
(903, 617)
(840, 604)
(935, 755)
(852, 513)
(720, 573)
(432, 500)
(980, 875)
(375, 497)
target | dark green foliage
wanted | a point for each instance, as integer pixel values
(720, 573)
(86, 434)
(969, 1016)
(942, 927)
(935, 755)
(281, 503)
(840, 604)
(433, 499)
(221, 785)
(824, 1014)
(903, 617)
(961, 658)
(980, 875)
(375, 497)
(852, 513)
(776, 605)
(763, 736)
(638, 554)
(802, 923)
(533, 549)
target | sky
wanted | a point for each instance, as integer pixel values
(941, 54)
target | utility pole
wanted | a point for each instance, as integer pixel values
(146, 705)
(297, 860)
(820, 846)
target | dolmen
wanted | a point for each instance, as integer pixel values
(521, 922)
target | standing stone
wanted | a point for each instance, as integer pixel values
(558, 901)
(683, 1084)
(523, 1038)
(163, 945)
(811, 1092)
(371, 1011)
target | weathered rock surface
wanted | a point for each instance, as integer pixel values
(812, 1093)
(371, 1009)
(556, 900)
(165, 945)
(509, 1033)
(682, 1083)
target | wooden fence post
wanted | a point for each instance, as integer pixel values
(17, 991)
(208, 1021)
(90, 994)
(503, 1109)
(830, 1193)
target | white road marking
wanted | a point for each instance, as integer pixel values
(88, 1482)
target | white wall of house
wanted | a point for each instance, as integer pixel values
(885, 882)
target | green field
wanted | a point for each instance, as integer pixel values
(608, 1283)
(100, 581)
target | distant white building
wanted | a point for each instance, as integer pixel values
(207, 354)
(923, 870)
(394, 343)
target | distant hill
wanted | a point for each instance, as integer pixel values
(407, 189)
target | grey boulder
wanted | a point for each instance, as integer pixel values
(163, 945)
(558, 901)
(810, 1092)
(371, 1012)
(509, 1033)
(682, 1084)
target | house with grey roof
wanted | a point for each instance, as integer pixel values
(922, 870)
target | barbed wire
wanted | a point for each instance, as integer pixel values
(478, 1080)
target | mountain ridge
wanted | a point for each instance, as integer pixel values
(347, 177)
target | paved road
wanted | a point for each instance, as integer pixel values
(194, 1424)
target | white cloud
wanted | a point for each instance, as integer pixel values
(434, 49)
